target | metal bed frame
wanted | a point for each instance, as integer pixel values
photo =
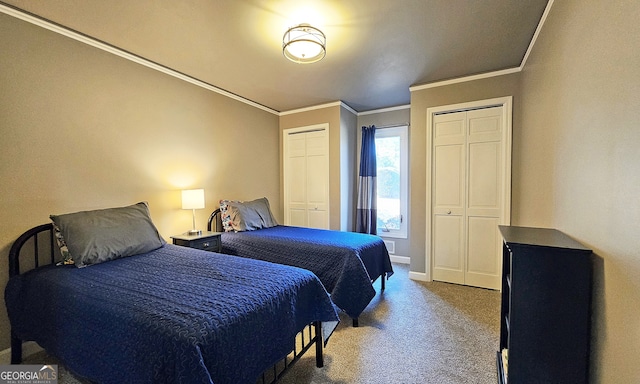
(305, 339)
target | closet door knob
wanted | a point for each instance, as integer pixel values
(448, 212)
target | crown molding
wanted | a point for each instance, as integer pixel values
(536, 33)
(319, 106)
(348, 108)
(464, 79)
(86, 39)
(382, 110)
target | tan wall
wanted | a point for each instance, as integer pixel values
(348, 170)
(83, 129)
(330, 115)
(507, 85)
(580, 151)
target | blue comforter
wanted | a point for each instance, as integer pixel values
(173, 315)
(345, 262)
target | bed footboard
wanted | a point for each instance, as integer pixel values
(312, 334)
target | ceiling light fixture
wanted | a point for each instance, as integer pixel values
(304, 44)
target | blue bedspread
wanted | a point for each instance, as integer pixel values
(345, 262)
(173, 315)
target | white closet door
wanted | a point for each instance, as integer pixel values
(317, 180)
(296, 181)
(306, 177)
(467, 197)
(484, 197)
(449, 133)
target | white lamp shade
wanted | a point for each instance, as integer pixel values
(193, 199)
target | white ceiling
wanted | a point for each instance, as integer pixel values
(376, 49)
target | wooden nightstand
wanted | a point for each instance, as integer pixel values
(208, 241)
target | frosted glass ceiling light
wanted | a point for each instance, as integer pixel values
(304, 44)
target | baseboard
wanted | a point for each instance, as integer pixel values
(28, 349)
(400, 259)
(420, 276)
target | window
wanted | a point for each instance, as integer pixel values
(392, 179)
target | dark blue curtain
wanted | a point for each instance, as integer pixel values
(367, 210)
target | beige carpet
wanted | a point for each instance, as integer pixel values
(411, 333)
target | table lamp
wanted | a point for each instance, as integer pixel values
(193, 199)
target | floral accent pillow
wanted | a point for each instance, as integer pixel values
(251, 215)
(64, 250)
(225, 215)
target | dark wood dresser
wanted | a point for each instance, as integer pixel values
(546, 308)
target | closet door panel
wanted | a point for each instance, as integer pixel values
(483, 269)
(317, 180)
(297, 218)
(448, 240)
(484, 198)
(449, 176)
(485, 124)
(448, 205)
(296, 181)
(484, 178)
(316, 183)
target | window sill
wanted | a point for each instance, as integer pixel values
(392, 235)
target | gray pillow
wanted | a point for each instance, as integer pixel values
(97, 236)
(251, 215)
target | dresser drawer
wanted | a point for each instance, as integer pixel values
(208, 241)
(212, 244)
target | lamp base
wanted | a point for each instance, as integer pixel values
(194, 232)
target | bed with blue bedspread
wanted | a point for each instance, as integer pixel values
(170, 315)
(347, 263)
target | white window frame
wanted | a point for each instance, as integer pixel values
(401, 131)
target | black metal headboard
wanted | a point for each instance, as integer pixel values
(33, 236)
(215, 218)
(43, 254)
